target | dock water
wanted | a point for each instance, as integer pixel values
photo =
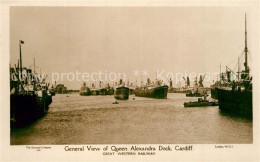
(75, 119)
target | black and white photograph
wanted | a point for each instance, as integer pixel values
(132, 78)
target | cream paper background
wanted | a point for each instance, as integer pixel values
(201, 152)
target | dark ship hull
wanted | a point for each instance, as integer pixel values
(103, 91)
(178, 90)
(214, 93)
(94, 92)
(110, 91)
(29, 98)
(53, 93)
(131, 91)
(157, 92)
(235, 101)
(27, 108)
(196, 94)
(181, 91)
(85, 93)
(121, 93)
(200, 104)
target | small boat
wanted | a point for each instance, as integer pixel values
(115, 102)
(201, 102)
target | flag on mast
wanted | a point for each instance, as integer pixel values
(21, 42)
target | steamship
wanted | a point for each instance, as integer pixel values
(29, 97)
(121, 91)
(156, 90)
(84, 90)
(236, 96)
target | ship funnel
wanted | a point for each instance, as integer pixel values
(148, 81)
(229, 76)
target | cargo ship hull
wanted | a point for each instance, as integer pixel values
(121, 93)
(196, 94)
(214, 93)
(178, 90)
(110, 91)
(237, 97)
(103, 91)
(85, 92)
(25, 109)
(157, 92)
(131, 91)
(235, 101)
(94, 92)
(200, 104)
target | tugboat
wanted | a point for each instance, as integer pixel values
(84, 90)
(121, 92)
(29, 98)
(157, 90)
(201, 102)
(236, 97)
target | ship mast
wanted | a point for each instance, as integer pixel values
(246, 49)
(238, 69)
(20, 47)
(33, 64)
(141, 80)
(220, 74)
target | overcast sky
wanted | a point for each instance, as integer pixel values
(123, 39)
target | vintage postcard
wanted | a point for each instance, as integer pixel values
(105, 81)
